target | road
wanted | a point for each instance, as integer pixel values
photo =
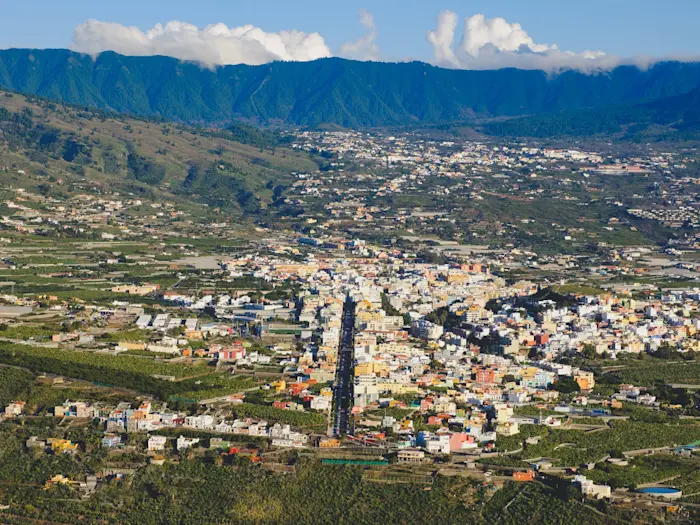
(343, 394)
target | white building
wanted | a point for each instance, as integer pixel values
(184, 443)
(156, 443)
(366, 390)
(426, 330)
(590, 489)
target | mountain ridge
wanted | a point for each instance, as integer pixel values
(336, 91)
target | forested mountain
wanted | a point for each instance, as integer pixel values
(670, 117)
(337, 91)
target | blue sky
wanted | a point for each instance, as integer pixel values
(618, 27)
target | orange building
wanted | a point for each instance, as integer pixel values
(528, 475)
(585, 380)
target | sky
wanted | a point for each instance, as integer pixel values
(473, 34)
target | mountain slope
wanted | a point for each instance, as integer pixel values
(239, 169)
(337, 91)
(670, 117)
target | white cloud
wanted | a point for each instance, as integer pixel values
(487, 43)
(480, 32)
(212, 45)
(442, 39)
(492, 43)
(364, 48)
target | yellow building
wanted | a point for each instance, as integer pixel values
(585, 380)
(366, 316)
(61, 445)
(58, 479)
(529, 373)
(370, 368)
(194, 335)
(457, 277)
(363, 305)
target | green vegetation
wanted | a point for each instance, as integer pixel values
(647, 374)
(395, 412)
(336, 91)
(25, 332)
(244, 494)
(572, 448)
(125, 371)
(15, 385)
(679, 113)
(643, 470)
(217, 386)
(272, 414)
(244, 171)
(19, 385)
(532, 503)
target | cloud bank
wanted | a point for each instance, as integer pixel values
(492, 43)
(485, 43)
(212, 45)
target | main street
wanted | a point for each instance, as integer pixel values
(343, 395)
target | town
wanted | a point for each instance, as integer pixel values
(506, 318)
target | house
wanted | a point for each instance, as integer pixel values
(461, 441)
(507, 428)
(585, 380)
(79, 409)
(411, 455)
(35, 442)
(14, 409)
(320, 403)
(184, 443)
(156, 443)
(486, 375)
(232, 352)
(157, 460)
(434, 443)
(590, 489)
(283, 436)
(134, 289)
(62, 446)
(111, 441)
(203, 422)
(528, 475)
(329, 443)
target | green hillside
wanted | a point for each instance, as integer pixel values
(239, 168)
(335, 91)
(670, 117)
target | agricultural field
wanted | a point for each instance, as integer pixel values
(140, 374)
(572, 448)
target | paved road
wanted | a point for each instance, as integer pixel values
(343, 395)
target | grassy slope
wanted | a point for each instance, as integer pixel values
(174, 147)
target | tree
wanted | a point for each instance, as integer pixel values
(566, 385)
(588, 351)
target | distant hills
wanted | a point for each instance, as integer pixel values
(356, 94)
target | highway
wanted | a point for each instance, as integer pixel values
(343, 394)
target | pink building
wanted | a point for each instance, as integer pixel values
(460, 441)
